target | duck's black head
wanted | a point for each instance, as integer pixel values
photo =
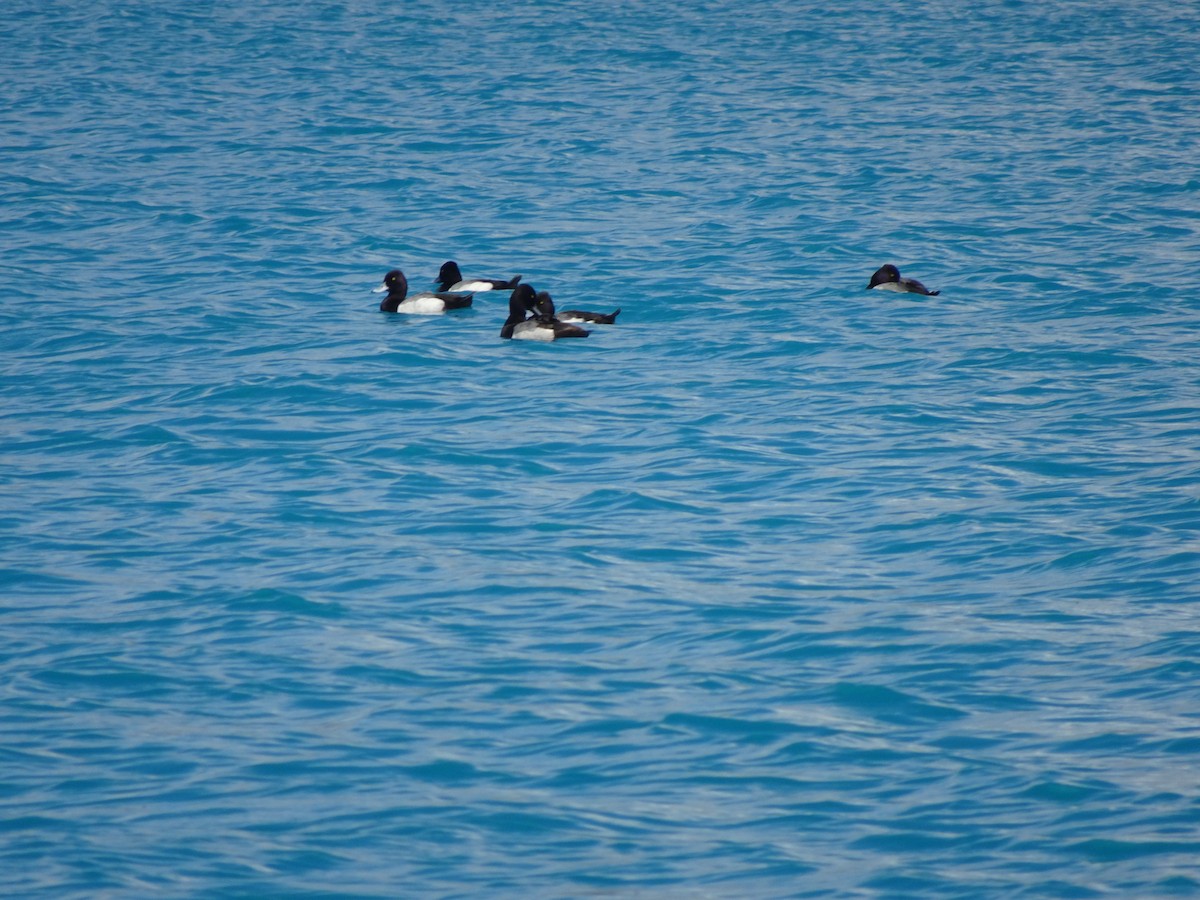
(885, 274)
(521, 301)
(544, 306)
(395, 279)
(396, 286)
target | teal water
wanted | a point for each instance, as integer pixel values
(778, 588)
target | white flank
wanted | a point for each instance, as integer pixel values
(532, 331)
(422, 306)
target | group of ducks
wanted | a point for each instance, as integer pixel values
(531, 314)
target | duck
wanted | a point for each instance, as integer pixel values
(887, 278)
(425, 303)
(540, 327)
(575, 315)
(451, 279)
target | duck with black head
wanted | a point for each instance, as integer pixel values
(577, 315)
(451, 279)
(887, 278)
(541, 326)
(425, 303)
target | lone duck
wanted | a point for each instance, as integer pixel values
(887, 278)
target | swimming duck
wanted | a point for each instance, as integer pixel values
(887, 278)
(451, 279)
(541, 327)
(425, 303)
(575, 315)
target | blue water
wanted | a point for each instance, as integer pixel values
(777, 588)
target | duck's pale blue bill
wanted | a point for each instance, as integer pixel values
(380, 289)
